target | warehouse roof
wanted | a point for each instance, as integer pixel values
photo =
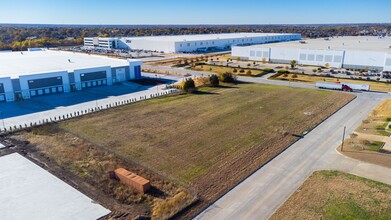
(200, 37)
(368, 43)
(14, 64)
(30, 192)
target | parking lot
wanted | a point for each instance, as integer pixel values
(37, 109)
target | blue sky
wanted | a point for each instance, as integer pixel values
(194, 12)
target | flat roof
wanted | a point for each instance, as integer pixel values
(29, 192)
(366, 43)
(15, 64)
(200, 37)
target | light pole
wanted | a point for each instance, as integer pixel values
(343, 137)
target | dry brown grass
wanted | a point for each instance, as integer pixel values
(336, 195)
(378, 86)
(383, 110)
(165, 209)
(94, 165)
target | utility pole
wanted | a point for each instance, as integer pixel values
(343, 137)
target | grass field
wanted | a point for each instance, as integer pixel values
(223, 69)
(206, 141)
(336, 195)
(378, 86)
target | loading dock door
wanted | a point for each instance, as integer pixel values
(137, 72)
(46, 91)
(93, 79)
(2, 97)
(45, 86)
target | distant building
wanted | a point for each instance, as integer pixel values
(99, 42)
(27, 74)
(365, 52)
(189, 43)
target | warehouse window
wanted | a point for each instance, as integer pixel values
(328, 58)
(319, 57)
(180, 45)
(188, 44)
(337, 59)
(259, 53)
(311, 57)
(303, 56)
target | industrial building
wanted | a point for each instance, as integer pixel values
(27, 74)
(364, 52)
(189, 43)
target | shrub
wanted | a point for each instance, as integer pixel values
(294, 75)
(227, 77)
(165, 209)
(248, 64)
(241, 71)
(235, 70)
(214, 80)
(283, 71)
(248, 72)
(268, 70)
(188, 85)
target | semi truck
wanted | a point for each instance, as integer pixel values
(334, 86)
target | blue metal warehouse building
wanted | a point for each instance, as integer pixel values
(24, 75)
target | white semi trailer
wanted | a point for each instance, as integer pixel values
(343, 86)
(333, 86)
(361, 87)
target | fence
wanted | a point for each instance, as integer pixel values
(58, 118)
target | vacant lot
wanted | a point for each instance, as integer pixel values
(337, 195)
(223, 69)
(205, 142)
(377, 86)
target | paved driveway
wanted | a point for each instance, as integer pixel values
(45, 107)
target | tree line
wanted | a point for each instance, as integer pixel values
(20, 37)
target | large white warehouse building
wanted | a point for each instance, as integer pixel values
(365, 52)
(189, 43)
(27, 74)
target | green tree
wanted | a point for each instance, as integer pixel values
(293, 63)
(214, 80)
(188, 85)
(227, 77)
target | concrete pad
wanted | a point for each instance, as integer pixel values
(387, 147)
(30, 192)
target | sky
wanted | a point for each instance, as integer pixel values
(106, 12)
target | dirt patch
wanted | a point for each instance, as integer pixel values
(336, 195)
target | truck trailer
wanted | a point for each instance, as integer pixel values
(334, 86)
(361, 87)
